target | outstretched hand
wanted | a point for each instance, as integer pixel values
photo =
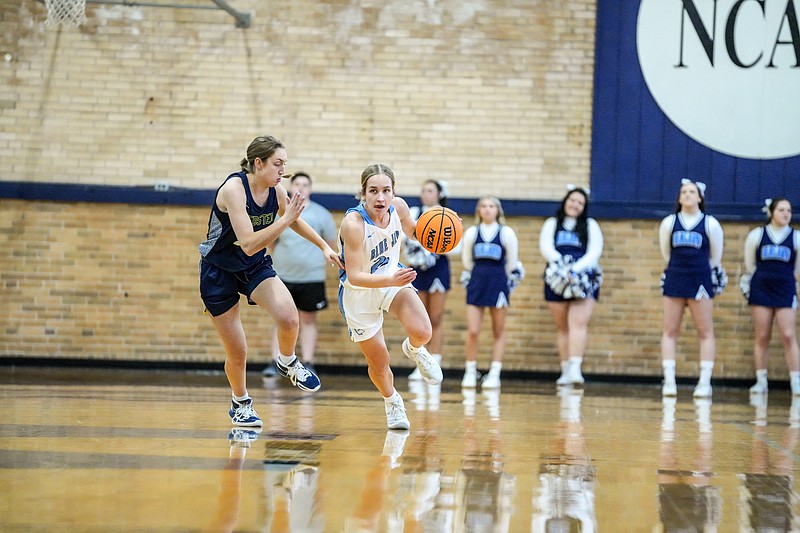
(333, 258)
(294, 208)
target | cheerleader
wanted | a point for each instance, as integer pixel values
(773, 266)
(691, 244)
(571, 243)
(491, 272)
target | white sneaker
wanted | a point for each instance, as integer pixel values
(669, 389)
(565, 378)
(396, 415)
(702, 390)
(428, 368)
(760, 387)
(575, 375)
(491, 381)
(470, 380)
(415, 375)
(795, 388)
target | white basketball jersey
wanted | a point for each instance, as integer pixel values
(381, 252)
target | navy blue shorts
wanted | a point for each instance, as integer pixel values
(220, 289)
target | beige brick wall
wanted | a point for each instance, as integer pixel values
(120, 282)
(493, 96)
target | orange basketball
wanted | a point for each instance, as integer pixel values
(439, 230)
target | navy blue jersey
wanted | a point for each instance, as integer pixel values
(221, 247)
(688, 273)
(773, 283)
(488, 286)
(569, 243)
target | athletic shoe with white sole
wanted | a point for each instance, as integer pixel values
(396, 415)
(300, 376)
(428, 367)
(243, 414)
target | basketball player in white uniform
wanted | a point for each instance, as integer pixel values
(374, 282)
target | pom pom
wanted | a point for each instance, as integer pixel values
(418, 257)
(719, 279)
(744, 285)
(556, 275)
(465, 277)
(516, 276)
(568, 284)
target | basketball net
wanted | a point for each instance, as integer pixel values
(70, 13)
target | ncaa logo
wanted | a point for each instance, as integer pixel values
(726, 72)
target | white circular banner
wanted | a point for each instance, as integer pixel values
(726, 72)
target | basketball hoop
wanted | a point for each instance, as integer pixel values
(69, 13)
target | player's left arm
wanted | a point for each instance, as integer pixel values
(716, 240)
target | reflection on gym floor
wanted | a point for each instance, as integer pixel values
(91, 450)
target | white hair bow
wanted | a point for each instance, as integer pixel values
(767, 205)
(443, 187)
(571, 187)
(700, 186)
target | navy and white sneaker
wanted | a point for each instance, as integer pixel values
(300, 376)
(243, 414)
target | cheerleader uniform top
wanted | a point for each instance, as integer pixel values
(221, 248)
(555, 243)
(776, 259)
(488, 259)
(688, 249)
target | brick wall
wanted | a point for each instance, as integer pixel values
(493, 96)
(119, 282)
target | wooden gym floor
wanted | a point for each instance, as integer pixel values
(131, 450)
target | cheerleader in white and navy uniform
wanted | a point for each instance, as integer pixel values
(773, 266)
(433, 270)
(491, 271)
(691, 244)
(571, 236)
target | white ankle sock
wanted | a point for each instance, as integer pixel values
(761, 376)
(393, 398)
(411, 348)
(706, 367)
(471, 366)
(241, 399)
(669, 370)
(495, 367)
(286, 359)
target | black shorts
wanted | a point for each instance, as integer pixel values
(308, 297)
(220, 289)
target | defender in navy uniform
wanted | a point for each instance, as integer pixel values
(773, 265)
(241, 226)
(572, 233)
(490, 258)
(691, 244)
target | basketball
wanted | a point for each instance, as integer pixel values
(439, 230)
